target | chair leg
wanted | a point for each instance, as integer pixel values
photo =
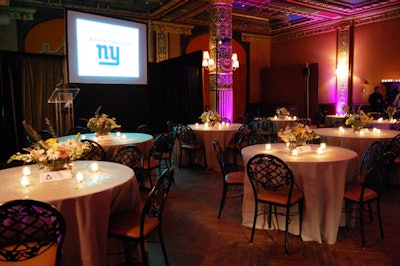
(370, 212)
(287, 231)
(163, 246)
(254, 222)
(362, 226)
(144, 258)
(222, 203)
(378, 207)
(300, 215)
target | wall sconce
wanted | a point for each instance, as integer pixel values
(208, 63)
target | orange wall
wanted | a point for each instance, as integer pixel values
(260, 57)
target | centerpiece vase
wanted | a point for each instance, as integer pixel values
(56, 165)
(293, 145)
(356, 128)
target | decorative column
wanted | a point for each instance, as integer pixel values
(220, 46)
(343, 68)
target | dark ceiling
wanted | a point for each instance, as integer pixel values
(267, 17)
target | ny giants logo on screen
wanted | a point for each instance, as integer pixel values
(108, 55)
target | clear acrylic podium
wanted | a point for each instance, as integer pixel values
(63, 98)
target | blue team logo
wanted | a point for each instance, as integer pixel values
(108, 55)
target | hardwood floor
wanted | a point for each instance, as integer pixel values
(194, 236)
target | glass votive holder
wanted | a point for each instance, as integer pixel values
(275, 117)
(380, 119)
(196, 125)
(268, 146)
(295, 152)
(294, 117)
(24, 181)
(26, 170)
(83, 137)
(287, 144)
(206, 124)
(94, 167)
(378, 131)
(341, 129)
(123, 136)
(319, 151)
(79, 177)
(322, 145)
(118, 134)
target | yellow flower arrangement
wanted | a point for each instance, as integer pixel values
(211, 116)
(282, 112)
(390, 111)
(102, 124)
(358, 120)
(297, 133)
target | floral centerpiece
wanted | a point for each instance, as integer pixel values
(358, 120)
(211, 117)
(52, 154)
(102, 124)
(296, 134)
(390, 111)
(282, 112)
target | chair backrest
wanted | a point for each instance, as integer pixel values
(95, 152)
(226, 120)
(394, 145)
(373, 180)
(372, 155)
(31, 232)
(162, 145)
(185, 134)
(266, 124)
(219, 152)
(304, 121)
(250, 139)
(78, 129)
(242, 130)
(132, 157)
(154, 205)
(268, 172)
(146, 129)
(395, 126)
(255, 126)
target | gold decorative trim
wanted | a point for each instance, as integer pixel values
(171, 28)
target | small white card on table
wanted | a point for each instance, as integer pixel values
(55, 176)
(303, 149)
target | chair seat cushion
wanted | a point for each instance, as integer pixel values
(235, 177)
(151, 165)
(127, 224)
(280, 196)
(353, 193)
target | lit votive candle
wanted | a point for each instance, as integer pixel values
(341, 129)
(24, 181)
(206, 124)
(294, 152)
(275, 117)
(79, 177)
(123, 136)
(319, 151)
(83, 137)
(294, 117)
(322, 146)
(219, 126)
(94, 167)
(374, 129)
(196, 125)
(380, 119)
(223, 123)
(96, 139)
(26, 170)
(378, 131)
(118, 134)
(287, 144)
(268, 146)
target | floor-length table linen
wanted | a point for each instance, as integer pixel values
(322, 179)
(282, 122)
(331, 119)
(354, 141)
(381, 123)
(86, 206)
(112, 145)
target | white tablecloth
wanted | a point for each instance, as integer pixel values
(354, 141)
(322, 178)
(382, 124)
(282, 122)
(143, 141)
(86, 206)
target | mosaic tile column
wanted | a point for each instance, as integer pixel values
(220, 46)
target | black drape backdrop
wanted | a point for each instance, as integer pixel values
(174, 92)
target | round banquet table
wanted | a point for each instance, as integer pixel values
(86, 206)
(322, 179)
(331, 119)
(354, 141)
(206, 134)
(382, 124)
(143, 141)
(282, 122)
